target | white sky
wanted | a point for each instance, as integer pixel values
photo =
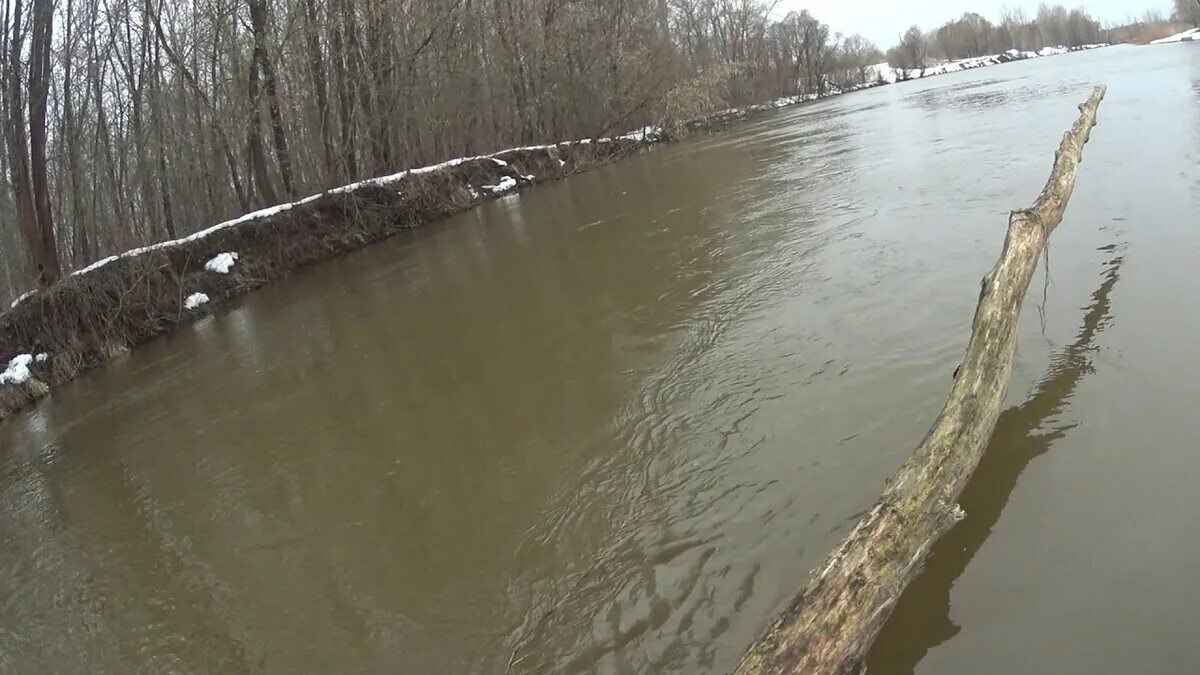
(882, 21)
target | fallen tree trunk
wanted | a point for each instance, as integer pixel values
(832, 622)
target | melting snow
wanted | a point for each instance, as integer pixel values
(644, 134)
(281, 208)
(890, 75)
(1192, 35)
(195, 300)
(23, 297)
(507, 183)
(18, 370)
(222, 263)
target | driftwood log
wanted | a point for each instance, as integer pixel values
(831, 623)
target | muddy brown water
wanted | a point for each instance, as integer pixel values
(609, 425)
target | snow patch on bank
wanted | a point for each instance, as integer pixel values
(507, 183)
(195, 300)
(222, 263)
(17, 371)
(650, 133)
(23, 297)
(1192, 35)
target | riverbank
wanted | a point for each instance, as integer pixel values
(1192, 35)
(883, 74)
(103, 310)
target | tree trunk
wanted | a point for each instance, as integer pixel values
(16, 134)
(254, 142)
(376, 91)
(80, 249)
(39, 90)
(160, 121)
(123, 226)
(343, 61)
(317, 65)
(258, 25)
(27, 142)
(831, 623)
(218, 130)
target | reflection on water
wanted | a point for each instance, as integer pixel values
(608, 426)
(998, 95)
(921, 620)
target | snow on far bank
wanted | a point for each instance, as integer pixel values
(17, 371)
(651, 133)
(1192, 35)
(887, 74)
(222, 263)
(195, 300)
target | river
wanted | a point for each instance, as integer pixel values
(609, 425)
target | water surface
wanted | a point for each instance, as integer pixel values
(610, 424)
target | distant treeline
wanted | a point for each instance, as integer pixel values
(973, 35)
(129, 121)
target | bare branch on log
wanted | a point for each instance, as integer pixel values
(831, 623)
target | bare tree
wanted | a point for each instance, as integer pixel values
(262, 62)
(27, 140)
(1188, 11)
(912, 53)
(973, 35)
(144, 119)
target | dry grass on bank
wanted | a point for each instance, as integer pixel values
(1144, 35)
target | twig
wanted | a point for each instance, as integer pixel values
(513, 660)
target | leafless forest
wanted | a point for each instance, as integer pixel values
(129, 121)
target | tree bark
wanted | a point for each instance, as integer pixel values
(17, 133)
(831, 623)
(218, 131)
(316, 64)
(343, 64)
(258, 24)
(80, 250)
(160, 121)
(27, 141)
(39, 90)
(255, 153)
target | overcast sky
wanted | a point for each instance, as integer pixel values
(882, 21)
